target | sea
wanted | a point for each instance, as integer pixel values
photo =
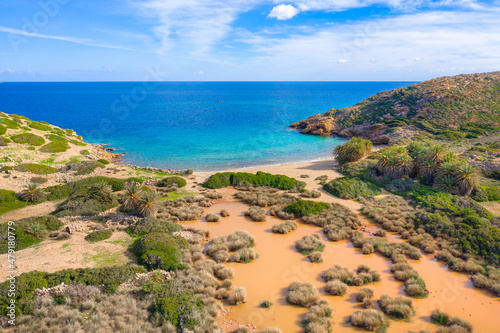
(204, 126)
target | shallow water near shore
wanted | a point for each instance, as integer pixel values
(279, 264)
(204, 126)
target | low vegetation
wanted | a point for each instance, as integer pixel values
(370, 320)
(351, 188)
(305, 207)
(397, 308)
(353, 150)
(225, 179)
(309, 244)
(302, 294)
(28, 138)
(172, 181)
(38, 169)
(98, 236)
(453, 324)
(285, 227)
(363, 276)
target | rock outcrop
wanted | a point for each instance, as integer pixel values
(451, 107)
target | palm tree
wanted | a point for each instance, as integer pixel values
(148, 204)
(437, 153)
(427, 168)
(447, 169)
(132, 196)
(101, 188)
(466, 178)
(447, 184)
(403, 166)
(31, 193)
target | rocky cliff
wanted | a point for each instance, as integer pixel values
(447, 107)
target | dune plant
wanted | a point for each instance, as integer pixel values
(303, 294)
(353, 150)
(32, 193)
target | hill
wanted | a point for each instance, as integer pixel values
(447, 108)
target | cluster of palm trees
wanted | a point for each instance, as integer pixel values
(137, 198)
(432, 162)
(145, 203)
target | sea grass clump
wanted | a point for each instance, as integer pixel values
(285, 227)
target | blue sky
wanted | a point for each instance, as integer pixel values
(218, 40)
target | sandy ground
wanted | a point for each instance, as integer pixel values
(44, 208)
(53, 255)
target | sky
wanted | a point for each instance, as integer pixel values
(246, 40)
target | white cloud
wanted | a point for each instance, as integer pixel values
(284, 12)
(200, 72)
(465, 41)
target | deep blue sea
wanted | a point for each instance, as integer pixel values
(203, 126)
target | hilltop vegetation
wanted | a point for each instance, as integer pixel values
(447, 108)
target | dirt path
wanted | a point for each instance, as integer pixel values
(37, 210)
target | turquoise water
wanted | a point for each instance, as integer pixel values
(202, 126)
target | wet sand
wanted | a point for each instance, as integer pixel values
(279, 264)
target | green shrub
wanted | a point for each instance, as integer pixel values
(351, 188)
(309, 244)
(55, 147)
(160, 250)
(39, 126)
(4, 141)
(82, 187)
(9, 201)
(85, 205)
(39, 180)
(29, 138)
(27, 283)
(9, 123)
(55, 137)
(98, 236)
(29, 231)
(84, 152)
(438, 317)
(179, 308)
(495, 174)
(151, 224)
(353, 150)
(82, 167)
(103, 161)
(169, 181)
(475, 222)
(370, 320)
(306, 207)
(302, 294)
(3, 130)
(78, 143)
(225, 179)
(38, 169)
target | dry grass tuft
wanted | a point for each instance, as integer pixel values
(309, 243)
(303, 294)
(285, 227)
(238, 296)
(256, 213)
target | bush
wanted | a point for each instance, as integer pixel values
(4, 141)
(370, 320)
(245, 255)
(54, 147)
(415, 287)
(315, 257)
(103, 161)
(179, 307)
(39, 126)
(224, 213)
(38, 180)
(309, 243)
(303, 294)
(440, 318)
(364, 293)
(225, 179)
(351, 188)
(238, 296)
(398, 308)
(85, 205)
(28, 138)
(159, 250)
(353, 150)
(169, 181)
(256, 213)
(285, 227)
(82, 167)
(266, 304)
(495, 174)
(306, 207)
(98, 236)
(38, 169)
(211, 217)
(9, 201)
(27, 283)
(336, 288)
(9, 123)
(151, 224)
(29, 231)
